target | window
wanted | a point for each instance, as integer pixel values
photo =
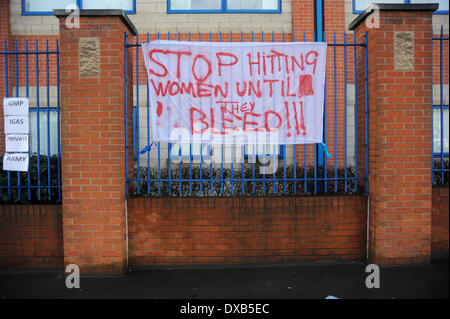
(44, 146)
(205, 151)
(45, 7)
(185, 150)
(437, 130)
(361, 5)
(263, 150)
(223, 6)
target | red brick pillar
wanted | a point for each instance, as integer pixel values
(93, 140)
(400, 130)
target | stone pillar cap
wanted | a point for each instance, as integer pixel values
(100, 13)
(392, 7)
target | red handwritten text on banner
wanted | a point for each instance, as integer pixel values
(236, 93)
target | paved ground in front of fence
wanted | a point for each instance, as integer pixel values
(275, 281)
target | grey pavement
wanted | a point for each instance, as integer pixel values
(280, 281)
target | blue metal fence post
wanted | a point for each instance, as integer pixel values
(325, 128)
(38, 122)
(48, 119)
(126, 113)
(355, 59)
(28, 95)
(7, 95)
(58, 118)
(345, 112)
(138, 157)
(16, 75)
(441, 96)
(148, 130)
(335, 117)
(320, 37)
(366, 113)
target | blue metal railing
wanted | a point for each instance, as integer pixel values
(155, 174)
(440, 158)
(42, 182)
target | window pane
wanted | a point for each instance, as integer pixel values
(195, 4)
(437, 131)
(175, 150)
(261, 149)
(252, 5)
(196, 149)
(443, 4)
(361, 5)
(43, 133)
(184, 150)
(108, 4)
(46, 5)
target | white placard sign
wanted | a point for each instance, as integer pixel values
(15, 106)
(16, 143)
(17, 125)
(16, 162)
(17, 129)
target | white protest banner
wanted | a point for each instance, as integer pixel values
(15, 106)
(17, 125)
(16, 162)
(16, 143)
(236, 93)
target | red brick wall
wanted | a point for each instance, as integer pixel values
(31, 236)
(201, 231)
(303, 18)
(312, 228)
(439, 226)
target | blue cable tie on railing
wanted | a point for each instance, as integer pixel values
(326, 151)
(148, 148)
